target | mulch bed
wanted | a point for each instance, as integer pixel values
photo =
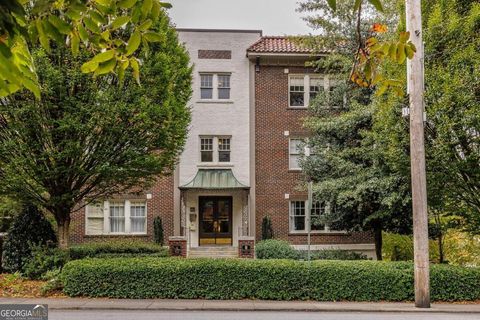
(13, 285)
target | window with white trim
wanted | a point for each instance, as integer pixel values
(297, 216)
(223, 149)
(297, 91)
(319, 217)
(223, 86)
(95, 218)
(220, 81)
(116, 217)
(206, 86)
(304, 88)
(206, 149)
(294, 153)
(138, 217)
(215, 149)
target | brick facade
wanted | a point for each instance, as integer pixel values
(273, 118)
(161, 204)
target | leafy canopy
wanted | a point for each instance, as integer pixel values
(112, 30)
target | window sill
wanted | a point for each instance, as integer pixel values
(326, 233)
(215, 101)
(216, 165)
(297, 108)
(116, 235)
(295, 170)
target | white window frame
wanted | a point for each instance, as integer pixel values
(205, 87)
(127, 215)
(290, 154)
(291, 217)
(306, 87)
(215, 87)
(212, 150)
(225, 87)
(215, 149)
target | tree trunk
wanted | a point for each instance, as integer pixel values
(63, 232)
(440, 248)
(377, 230)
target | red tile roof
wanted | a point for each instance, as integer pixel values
(270, 44)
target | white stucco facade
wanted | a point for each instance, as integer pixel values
(218, 118)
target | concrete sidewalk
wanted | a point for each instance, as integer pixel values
(239, 305)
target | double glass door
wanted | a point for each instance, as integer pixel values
(215, 221)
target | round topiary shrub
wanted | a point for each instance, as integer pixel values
(29, 228)
(275, 249)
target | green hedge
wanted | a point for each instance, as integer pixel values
(116, 249)
(262, 279)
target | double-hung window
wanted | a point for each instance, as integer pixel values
(218, 81)
(223, 86)
(206, 86)
(316, 84)
(206, 149)
(295, 152)
(95, 218)
(116, 217)
(319, 217)
(215, 149)
(303, 89)
(297, 91)
(223, 149)
(138, 217)
(297, 216)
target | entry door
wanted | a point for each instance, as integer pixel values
(215, 220)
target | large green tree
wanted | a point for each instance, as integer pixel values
(90, 138)
(348, 170)
(452, 105)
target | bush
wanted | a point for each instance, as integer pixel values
(158, 231)
(267, 228)
(117, 248)
(275, 249)
(29, 228)
(333, 255)
(397, 247)
(44, 259)
(262, 279)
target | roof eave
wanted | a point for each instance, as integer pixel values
(253, 54)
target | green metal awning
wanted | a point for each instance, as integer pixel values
(214, 179)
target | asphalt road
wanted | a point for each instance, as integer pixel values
(247, 315)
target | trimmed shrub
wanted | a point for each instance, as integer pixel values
(117, 248)
(158, 231)
(321, 280)
(267, 228)
(275, 249)
(44, 259)
(333, 255)
(29, 228)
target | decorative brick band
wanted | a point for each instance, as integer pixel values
(177, 246)
(246, 247)
(214, 54)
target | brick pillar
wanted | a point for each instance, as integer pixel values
(177, 246)
(246, 247)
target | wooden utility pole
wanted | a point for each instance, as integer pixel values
(417, 155)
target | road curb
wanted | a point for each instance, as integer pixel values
(241, 305)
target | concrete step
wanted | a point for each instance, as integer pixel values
(213, 252)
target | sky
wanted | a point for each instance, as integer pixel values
(274, 17)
